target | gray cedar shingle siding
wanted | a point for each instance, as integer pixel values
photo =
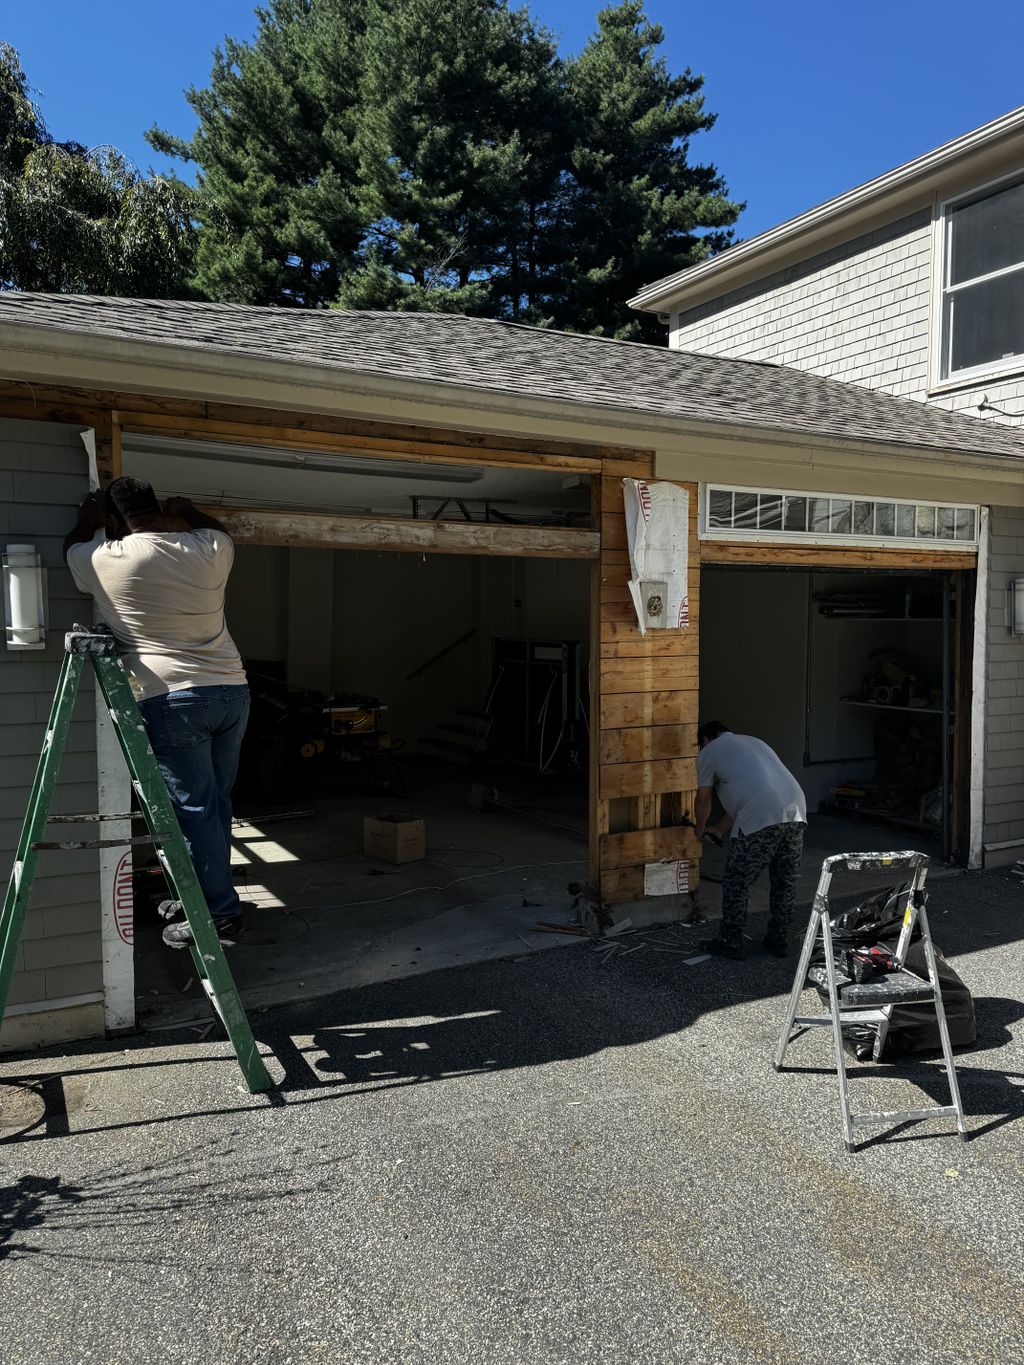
(43, 477)
(1004, 758)
(857, 312)
(504, 357)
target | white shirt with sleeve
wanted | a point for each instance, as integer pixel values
(162, 594)
(752, 783)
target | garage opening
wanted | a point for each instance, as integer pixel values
(853, 679)
(414, 780)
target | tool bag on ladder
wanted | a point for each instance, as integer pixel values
(884, 985)
(97, 646)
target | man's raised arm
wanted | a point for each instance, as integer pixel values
(184, 509)
(92, 517)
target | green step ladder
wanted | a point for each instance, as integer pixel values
(97, 645)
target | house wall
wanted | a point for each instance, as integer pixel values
(1004, 740)
(857, 312)
(860, 312)
(57, 987)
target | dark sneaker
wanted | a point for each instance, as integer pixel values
(228, 927)
(169, 910)
(778, 947)
(720, 947)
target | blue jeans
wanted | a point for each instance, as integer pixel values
(196, 735)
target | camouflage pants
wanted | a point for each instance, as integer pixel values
(778, 848)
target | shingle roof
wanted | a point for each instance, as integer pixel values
(531, 362)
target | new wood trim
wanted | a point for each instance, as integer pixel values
(649, 846)
(316, 532)
(52, 402)
(832, 556)
(637, 744)
(630, 709)
(413, 450)
(648, 779)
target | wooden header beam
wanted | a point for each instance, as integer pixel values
(831, 556)
(314, 531)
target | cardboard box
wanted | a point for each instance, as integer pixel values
(394, 838)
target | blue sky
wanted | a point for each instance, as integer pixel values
(812, 98)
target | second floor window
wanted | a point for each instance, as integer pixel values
(983, 294)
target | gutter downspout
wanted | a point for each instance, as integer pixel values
(979, 700)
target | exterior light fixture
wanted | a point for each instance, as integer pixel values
(24, 598)
(1015, 606)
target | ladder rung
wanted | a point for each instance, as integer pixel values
(53, 846)
(92, 819)
(904, 1116)
(864, 1015)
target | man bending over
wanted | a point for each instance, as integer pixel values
(767, 813)
(161, 592)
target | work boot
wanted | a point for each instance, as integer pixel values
(721, 947)
(778, 947)
(229, 929)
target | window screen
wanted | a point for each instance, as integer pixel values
(983, 308)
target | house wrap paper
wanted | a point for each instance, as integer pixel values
(657, 532)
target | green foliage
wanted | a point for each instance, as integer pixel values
(636, 209)
(409, 154)
(80, 221)
(448, 157)
(277, 189)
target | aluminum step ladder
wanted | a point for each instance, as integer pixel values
(97, 645)
(872, 1001)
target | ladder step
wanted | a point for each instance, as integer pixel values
(859, 1016)
(60, 846)
(451, 746)
(452, 728)
(93, 819)
(474, 715)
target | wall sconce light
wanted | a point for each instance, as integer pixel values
(1015, 606)
(24, 598)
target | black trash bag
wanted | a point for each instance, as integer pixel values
(912, 1028)
(877, 918)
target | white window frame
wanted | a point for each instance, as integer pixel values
(944, 378)
(757, 536)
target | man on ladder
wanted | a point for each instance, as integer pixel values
(161, 592)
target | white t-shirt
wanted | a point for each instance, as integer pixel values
(162, 594)
(752, 783)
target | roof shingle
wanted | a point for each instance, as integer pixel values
(502, 357)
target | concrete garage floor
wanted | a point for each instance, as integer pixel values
(543, 1160)
(326, 917)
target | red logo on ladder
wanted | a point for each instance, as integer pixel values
(124, 900)
(644, 491)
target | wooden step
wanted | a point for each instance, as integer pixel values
(450, 752)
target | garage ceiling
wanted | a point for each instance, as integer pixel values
(218, 473)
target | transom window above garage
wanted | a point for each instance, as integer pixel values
(833, 518)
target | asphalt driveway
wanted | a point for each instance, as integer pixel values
(548, 1159)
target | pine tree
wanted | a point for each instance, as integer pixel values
(439, 154)
(457, 156)
(636, 209)
(74, 220)
(277, 185)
